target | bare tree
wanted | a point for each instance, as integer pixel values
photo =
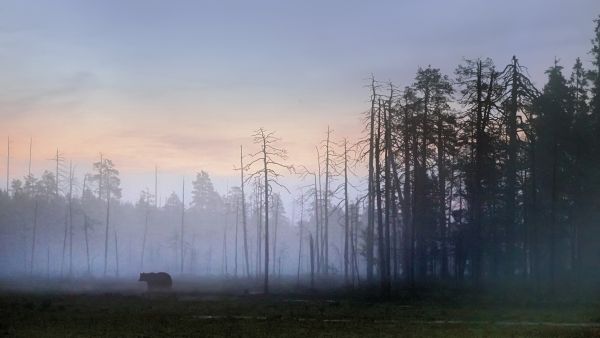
(70, 200)
(301, 235)
(276, 206)
(243, 204)
(182, 224)
(326, 195)
(270, 158)
(237, 221)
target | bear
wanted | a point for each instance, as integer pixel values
(159, 281)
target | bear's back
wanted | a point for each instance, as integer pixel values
(159, 280)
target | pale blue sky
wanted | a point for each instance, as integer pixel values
(183, 83)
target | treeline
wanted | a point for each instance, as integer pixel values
(475, 178)
(485, 178)
(70, 227)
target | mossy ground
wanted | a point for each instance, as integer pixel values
(139, 314)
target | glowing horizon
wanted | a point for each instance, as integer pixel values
(182, 85)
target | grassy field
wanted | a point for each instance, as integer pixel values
(191, 313)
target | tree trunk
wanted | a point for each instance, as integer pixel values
(266, 173)
(70, 219)
(116, 254)
(33, 237)
(312, 263)
(407, 202)
(182, 247)
(301, 238)
(244, 214)
(107, 217)
(275, 233)
(370, 193)
(346, 215)
(144, 239)
(237, 220)
(442, 195)
(388, 197)
(64, 247)
(511, 171)
(85, 228)
(326, 204)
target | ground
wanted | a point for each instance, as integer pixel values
(133, 312)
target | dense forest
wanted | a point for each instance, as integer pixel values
(475, 178)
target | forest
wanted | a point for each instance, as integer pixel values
(475, 178)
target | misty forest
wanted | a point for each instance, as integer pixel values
(474, 180)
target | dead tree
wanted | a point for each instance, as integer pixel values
(387, 115)
(319, 197)
(315, 191)
(237, 221)
(243, 202)
(269, 157)
(346, 212)
(371, 188)
(340, 166)
(86, 225)
(71, 178)
(182, 224)
(326, 195)
(258, 199)
(301, 235)
(276, 225)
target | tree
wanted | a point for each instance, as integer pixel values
(107, 181)
(326, 197)
(434, 90)
(553, 128)
(204, 196)
(70, 201)
(370, 192)
(271, 159)
(582, 164)
(181, 233)
(243, 204)
(277, 212)
(480, 94)
(518, 94)
(85, 194)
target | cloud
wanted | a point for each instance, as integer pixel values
(63, 94)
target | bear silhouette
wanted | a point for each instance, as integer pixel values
(156, 281)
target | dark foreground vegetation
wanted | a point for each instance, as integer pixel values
(225, 308)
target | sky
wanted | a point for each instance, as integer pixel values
(181, 84)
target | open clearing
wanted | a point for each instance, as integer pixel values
(204, 315)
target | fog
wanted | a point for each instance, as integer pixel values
(481, 173)
(48, 234)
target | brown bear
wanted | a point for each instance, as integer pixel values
(159, 281)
